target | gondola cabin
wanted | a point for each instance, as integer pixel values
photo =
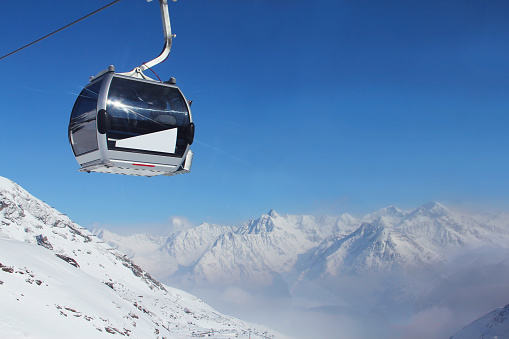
(126, 125)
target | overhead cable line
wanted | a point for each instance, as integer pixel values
(60, 29)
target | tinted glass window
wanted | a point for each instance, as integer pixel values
(137, 108)
(82, 127)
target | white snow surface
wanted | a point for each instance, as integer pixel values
(58, 280)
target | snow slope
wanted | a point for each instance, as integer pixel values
(493, 325)
(43, 296)
(59, 280)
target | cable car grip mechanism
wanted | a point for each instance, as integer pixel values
(168, 36)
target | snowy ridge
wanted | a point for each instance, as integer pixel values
(194, 243)
(52, 266)
(493, 325)
(392, 238)
(271, 243)
(252, 252)
(372, 247)
(391, 214)
(210, 254)
(386, 239)
(166, 255)
(435, 226)
(312, 228)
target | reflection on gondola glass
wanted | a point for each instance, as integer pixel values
(137, 108)
(82, 126)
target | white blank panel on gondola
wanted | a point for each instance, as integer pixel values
(126, 125)
(163, 141)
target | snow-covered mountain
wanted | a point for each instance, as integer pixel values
(165, 255)
(59, 280)
(435, 226)
(211, 254)
(255, 250)
(391, 238)
(391, 215)
(372, 247)
(493, 325)
(327, 246)
(312, 228)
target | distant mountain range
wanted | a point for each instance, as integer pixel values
(312, 258)
(58, 280)
(383, 240)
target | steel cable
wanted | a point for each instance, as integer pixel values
(60, 29)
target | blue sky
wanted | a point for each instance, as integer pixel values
(320, 107)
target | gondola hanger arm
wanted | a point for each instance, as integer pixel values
(168, 36)
(165, 16)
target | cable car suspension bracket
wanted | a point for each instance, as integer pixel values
(168, 36)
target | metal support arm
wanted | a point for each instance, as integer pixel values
(165, 16)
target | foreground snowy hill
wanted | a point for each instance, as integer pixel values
(493, 325)
(58, 280)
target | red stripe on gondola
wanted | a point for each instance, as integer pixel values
(144, 165)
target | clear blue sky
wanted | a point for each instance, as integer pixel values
(306, 107)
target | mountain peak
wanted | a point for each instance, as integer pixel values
(433, 205)
(261, 225)
(392, 210)
(6, 183)
(432, 209)
(273, 214)
(391, 216)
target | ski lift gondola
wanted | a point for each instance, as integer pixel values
(127, 123)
